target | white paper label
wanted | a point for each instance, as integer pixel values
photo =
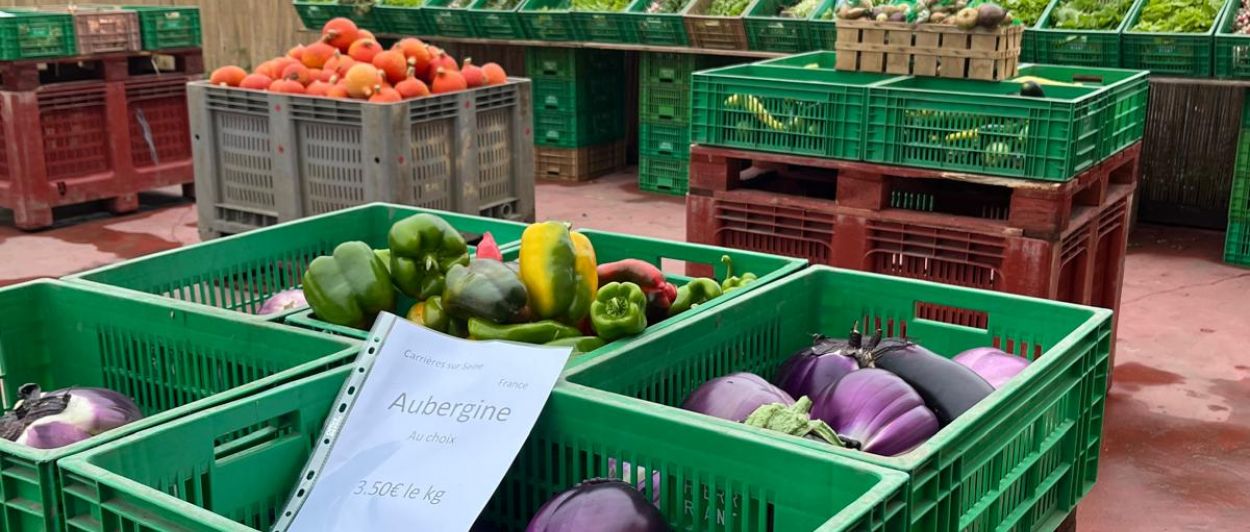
(430, 434)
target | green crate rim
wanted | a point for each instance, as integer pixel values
(786, 267)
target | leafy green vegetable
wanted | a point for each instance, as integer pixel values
(402, 3)
(726, 8)
(1090, 14)
(610, 6)
(500, 5)
(1026, 11)
(1178, 16)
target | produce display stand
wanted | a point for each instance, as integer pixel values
(1021, 459)
(240, 272)
(1095, 48)
(576, 438)
(1168, 54)
(172, 359)
(695, 260)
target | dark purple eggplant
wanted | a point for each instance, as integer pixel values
(811, 369)
(735, 396)
(948, 387)
(873, 410)
(600, 505)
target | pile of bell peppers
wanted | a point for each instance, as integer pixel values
(556, 294)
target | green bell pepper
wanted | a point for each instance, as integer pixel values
(484, 289)
(423, 248)
(539, 332)
(619, 310)
(732, 282)
(696, 292)
(349, 287)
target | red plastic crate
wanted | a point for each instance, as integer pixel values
(89, 146)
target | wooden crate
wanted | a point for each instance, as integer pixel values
(938, 50)
(579, 164)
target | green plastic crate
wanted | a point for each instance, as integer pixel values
(163, 28)
(802, 111)
(1020, 460)
(35, 35)
(822, 30)
(1232, 50)
(668, 255)
(547, 20)
(129, 484)
(658, 29)
(767, 32)
(448, 21)
(172, 359)
(604, 26)
(664, 140)
(986, 127)
(1237, 243)
(403, 20)
(1123, 104)
(497, 23)
(573, 64)
(818, 60)
(1176, 54)
(604, 94)
(239, 272)
(676, 69)
(664, 175)
(316, 14)
(575, 129)
(1078, 47)
(664, 104)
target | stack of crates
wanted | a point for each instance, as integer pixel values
(1237, 241)
(664, 118)
(579, 118)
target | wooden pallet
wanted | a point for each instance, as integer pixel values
(30, 74)
(1041, 209)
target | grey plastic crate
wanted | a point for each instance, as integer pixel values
(263, 158)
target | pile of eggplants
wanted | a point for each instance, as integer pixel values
(884, 396)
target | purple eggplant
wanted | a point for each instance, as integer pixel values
(735, 396)
(992, 364)
(948, 387)
(810, 370)
(602, 505)
(875, 411)
(64, 417)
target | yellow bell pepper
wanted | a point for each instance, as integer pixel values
(558, 269)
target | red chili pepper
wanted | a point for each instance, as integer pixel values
(660, 293)
(488, 249)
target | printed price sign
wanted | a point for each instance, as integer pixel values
(423, 433)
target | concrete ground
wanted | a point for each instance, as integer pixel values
(1176, 451)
